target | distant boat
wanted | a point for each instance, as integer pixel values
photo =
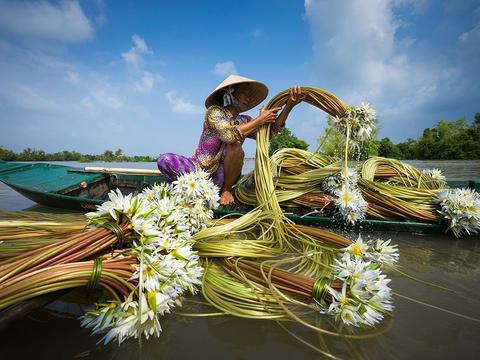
(69, 187)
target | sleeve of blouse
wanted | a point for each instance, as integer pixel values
(218, 122)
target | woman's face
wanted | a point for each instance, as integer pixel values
(242, 97)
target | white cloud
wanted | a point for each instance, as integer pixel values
(182, 106)
(103, 98)
(134, 56)
(73, 77)
(101, 18)
(50, 61)
(64, 21)
(365, 60)
(407, 42)
(146, 83)
(27, 97)
(419, 7)
(257, 33)
(225, 68)
(468, 34)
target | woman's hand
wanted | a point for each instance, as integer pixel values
(267, 116)
(296, 96)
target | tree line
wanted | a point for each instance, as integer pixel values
(40, 155)
(448, 140)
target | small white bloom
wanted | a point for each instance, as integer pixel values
(435, 174)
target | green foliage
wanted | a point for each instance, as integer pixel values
(286, 139)
(29, 154)
(332, 143)
(448, 140)
(388, 149)
(408, 149)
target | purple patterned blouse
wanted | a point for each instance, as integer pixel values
(219, 129)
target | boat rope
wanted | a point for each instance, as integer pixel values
(95, 276)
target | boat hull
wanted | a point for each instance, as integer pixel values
(49, 185)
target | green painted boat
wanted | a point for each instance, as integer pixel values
(69, 187)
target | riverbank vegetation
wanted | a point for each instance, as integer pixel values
(448, 140)
(40, 155)
(286, 139)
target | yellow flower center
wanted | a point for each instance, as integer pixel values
(149, 271)
(356, 249)
(151, 295)
(345, 301)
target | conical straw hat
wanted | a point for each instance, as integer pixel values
(256, 94)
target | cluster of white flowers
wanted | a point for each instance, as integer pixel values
(334, 183)
(349, 200)
(380, 251)
(164, 218)
(199, 195)
(365, 296)
(461, 207)
(435, 174)
(360, 120)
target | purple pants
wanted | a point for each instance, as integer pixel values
(173, 165)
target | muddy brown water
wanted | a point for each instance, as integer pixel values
(414, 331)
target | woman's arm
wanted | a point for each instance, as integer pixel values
(282, 118)
(265, 117)
(296, 97)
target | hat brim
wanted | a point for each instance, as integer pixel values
(256, 94)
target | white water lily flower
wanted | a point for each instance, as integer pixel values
(387, 253)
(350, 316)
(364, 133)
(358, 247)
(350, 176)
(461, 208)
(371, 316)
(158, 303)
(118, 203)
(125, 323)
(151, 273)
(349, 267)
(361, 123)
(344, 307)
(346, 197)
(435, 174)
(350, 203)
(331, 184)
(365, 294)
(101, 318)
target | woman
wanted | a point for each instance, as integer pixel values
(219, 151)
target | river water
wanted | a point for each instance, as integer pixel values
(414, 331)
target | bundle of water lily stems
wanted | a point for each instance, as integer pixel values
(390, 189)
(143, 253)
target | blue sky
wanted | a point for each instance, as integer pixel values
(96, 75)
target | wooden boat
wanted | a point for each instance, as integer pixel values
(72, 188)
